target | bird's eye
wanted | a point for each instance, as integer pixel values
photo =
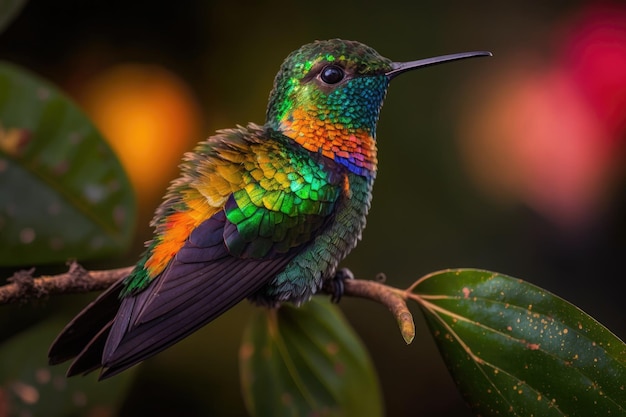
(332, 74)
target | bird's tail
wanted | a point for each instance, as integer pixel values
(84, 337)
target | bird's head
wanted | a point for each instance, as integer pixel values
(336, 82)
(328, 94)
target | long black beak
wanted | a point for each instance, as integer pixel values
(398, 68)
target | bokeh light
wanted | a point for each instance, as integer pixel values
(593, 51)
(149, 116)
(549, 131)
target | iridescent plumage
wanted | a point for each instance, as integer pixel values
(259, 212)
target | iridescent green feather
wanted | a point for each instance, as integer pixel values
(282, 212)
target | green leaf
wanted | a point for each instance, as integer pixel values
(9, 9)
(516, 349)
(29, 387)
(63, 193)
(307, 361)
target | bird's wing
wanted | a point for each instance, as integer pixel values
(267, 201)
(200, 283)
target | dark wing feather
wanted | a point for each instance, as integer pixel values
(90, 358)
(198, 285)
(85, 326)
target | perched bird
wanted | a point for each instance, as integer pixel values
(259, 212)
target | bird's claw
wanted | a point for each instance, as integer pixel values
(338, 285)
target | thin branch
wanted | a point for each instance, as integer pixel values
(23, 287)
(390, 297)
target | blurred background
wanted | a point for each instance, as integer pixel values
(513, 163)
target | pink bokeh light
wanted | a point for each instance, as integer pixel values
(594, 54)
(550, 133)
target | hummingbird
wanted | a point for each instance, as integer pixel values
(264, 212)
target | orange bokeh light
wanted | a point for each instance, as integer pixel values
(150, 118)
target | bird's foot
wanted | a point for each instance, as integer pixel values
(336, 284)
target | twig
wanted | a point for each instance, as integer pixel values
(24, 287)
(390, 297)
